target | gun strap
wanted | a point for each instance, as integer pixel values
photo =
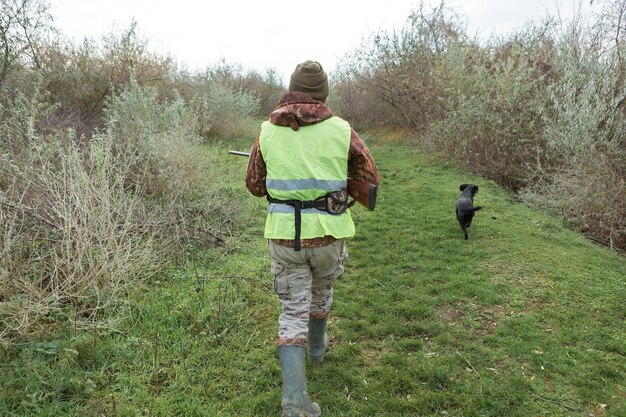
(298, 205)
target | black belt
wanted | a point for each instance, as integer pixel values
(332, 203)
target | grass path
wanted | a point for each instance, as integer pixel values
(526, 318)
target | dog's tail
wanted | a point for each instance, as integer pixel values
(474, 209)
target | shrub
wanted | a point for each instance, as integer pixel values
(267, 87)
(72, 235)
(25, 32)
(534, 110)
(585, 137)
(101, 179)
(226, 113)
(81, 78)
(494, 100)
(397, 70)
(83, 220)
(24, 111)
(155, 140)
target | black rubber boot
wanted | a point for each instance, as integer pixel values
(317, 340)
(296, 401)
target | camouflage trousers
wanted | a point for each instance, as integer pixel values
(304, 283)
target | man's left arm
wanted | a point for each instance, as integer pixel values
(361, 166)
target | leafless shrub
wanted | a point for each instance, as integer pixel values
(399, 68)
(590, 192)
(25, 29)
(81, 221)
(72, 235)
(226, 113)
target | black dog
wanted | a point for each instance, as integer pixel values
(465, 206)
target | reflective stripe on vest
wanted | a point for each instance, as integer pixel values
(284, 208)
(305, 184)
(304, 165)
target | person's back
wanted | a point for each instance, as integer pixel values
(306, 165)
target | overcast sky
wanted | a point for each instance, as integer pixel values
(262, 34)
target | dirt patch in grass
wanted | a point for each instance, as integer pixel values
(488, 319)
(451, 313)
(479, 320)
(372, 355)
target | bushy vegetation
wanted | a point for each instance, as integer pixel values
(226, 113)
(102, 181)
(83, 219)
(535, 110)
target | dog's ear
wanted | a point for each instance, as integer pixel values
(463, 186)
(476, 191)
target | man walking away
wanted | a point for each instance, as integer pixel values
(301, 160)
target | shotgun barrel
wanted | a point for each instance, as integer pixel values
(238, 153)
(361, 191)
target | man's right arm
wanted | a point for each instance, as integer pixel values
(257, 171)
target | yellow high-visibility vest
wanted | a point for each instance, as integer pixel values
(304, 165)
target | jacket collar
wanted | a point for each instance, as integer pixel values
(297, 109)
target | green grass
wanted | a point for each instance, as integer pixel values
(526, 318)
